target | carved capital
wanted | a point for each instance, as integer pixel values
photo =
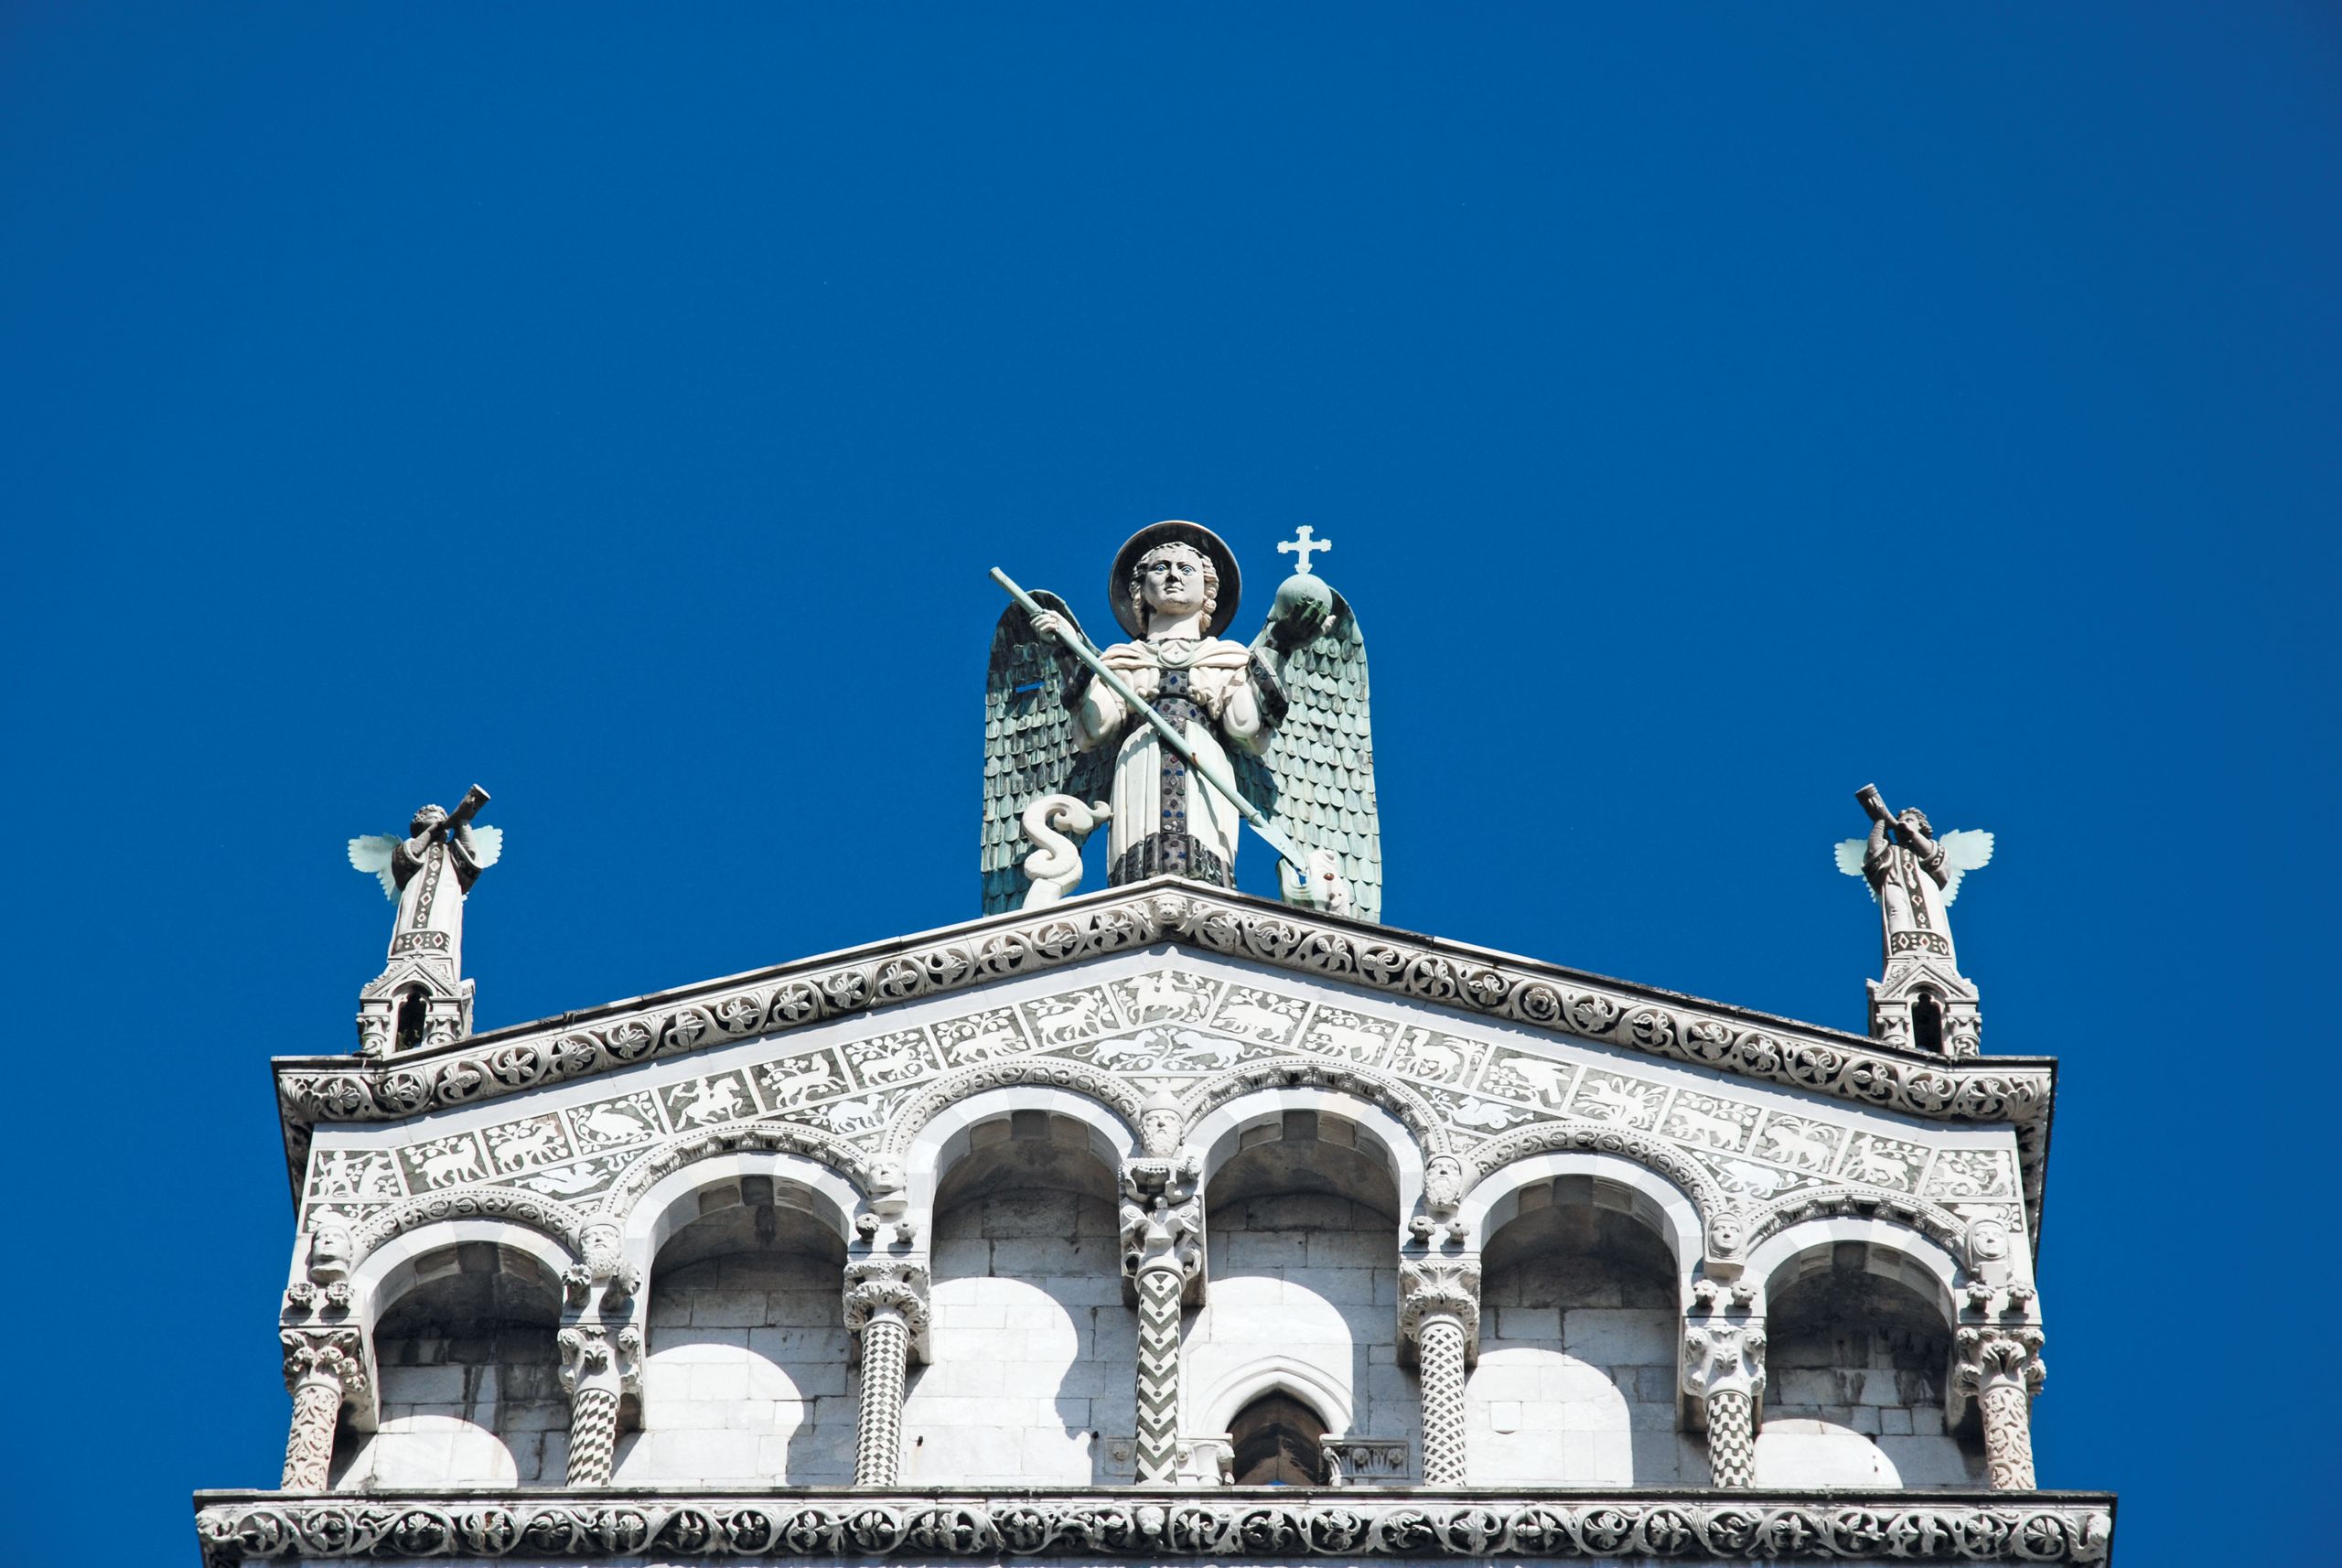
(1985, 1357)
(888, 1287)
(1724, 1357)
(592, 1356)
(1163, 1219)
(335, 1353)
(1433, 1288)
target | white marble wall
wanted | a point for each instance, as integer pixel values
(1033, 1352)
(1854, 1396)
(746, 1380)
(477, 1408)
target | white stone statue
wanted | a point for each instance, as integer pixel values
(1283, 719)
(1913, 876)
(421, 996)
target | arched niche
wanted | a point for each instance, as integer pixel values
(1860, 1315)
(743, 1376)
(1613, 1182)
(1030, 1346)
(466, 1391)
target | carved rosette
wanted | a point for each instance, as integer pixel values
(2000, 1370)
(323, 1369)
(1724, 1371)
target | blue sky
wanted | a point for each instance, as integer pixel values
(1713, 411)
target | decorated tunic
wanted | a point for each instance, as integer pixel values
(1166, 820)
(434, 875)
(1910, 891)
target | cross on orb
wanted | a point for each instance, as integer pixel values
(1303, 545)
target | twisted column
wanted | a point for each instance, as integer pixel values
(598, 1366)
(1439, 1328)
(886, 1309)
(1724, 1369)
(2001, 1369)
(322, 1368)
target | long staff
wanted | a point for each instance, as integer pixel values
(1271, 834)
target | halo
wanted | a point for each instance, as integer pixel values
(1214, 548)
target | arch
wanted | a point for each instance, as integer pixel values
(942, 1141)
(1647, 1195)
(1273, 1374)
(549, 1219)
(1653, 1154)
(1918, 1216)
(672, 1201)
(845, 1162)
(389, 1272)
(1420, 1126)
(1079, 1078)
(1893, 1250)
(1217, 1134)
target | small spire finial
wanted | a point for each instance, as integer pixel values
(1303, 545)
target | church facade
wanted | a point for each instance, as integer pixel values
(1164, 1222)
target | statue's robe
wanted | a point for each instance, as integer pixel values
(1167, 820)
(432, 875)
(1910, 898)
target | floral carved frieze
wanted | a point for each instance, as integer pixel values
(1746, 1526)
(1173, 1027)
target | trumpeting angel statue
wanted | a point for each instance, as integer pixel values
(1180, 736)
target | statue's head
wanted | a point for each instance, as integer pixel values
(1915, 819)
(426, 820)
(1175, 578)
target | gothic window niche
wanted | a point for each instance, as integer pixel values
(1278, 1441)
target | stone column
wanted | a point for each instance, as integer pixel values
(598, 1367)
(322, 1368)
(2001, 1369)
(1162, 1256)
(886, 1310)
(1439, 1329)
(1724, 1369)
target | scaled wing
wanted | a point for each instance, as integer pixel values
(1028, 748)
(371, 853)
(488, 844)
(1316, 778)
(1964, 850)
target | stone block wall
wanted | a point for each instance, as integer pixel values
(1033, 1351)
(745, 1378)
(1303, 1294)
(1850, 1404)
(482, 1408)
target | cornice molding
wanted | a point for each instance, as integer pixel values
(1232, 1525)
(1471, 981)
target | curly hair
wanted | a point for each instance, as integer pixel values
(1138, 579)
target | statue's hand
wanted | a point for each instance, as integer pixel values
(1051, 625)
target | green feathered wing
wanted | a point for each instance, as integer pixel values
(1028, 746)
(1316, 778)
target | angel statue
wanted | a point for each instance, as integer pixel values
(1922, 1000)
(421, 987)
(1913, 876)
(1280, 724)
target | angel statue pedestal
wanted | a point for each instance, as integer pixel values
(1281, 722)
(422, 998)
(1922, 1001)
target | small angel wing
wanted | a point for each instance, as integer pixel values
(1028, 748)
(371, 853)
(1964, 850)
(1316, 778)
(1850, 861)
(488, 843)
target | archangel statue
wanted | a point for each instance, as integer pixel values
(421, 996)
(1284, 717)
(1914, 876)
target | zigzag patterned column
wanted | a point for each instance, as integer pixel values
(2001, 1370)
(1439, 1320)
(322, 1368)
(1723, 1368)
(1162, 1259)
(885, 1308)
(597, 1367)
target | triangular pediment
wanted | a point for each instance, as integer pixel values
(1168, 986)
